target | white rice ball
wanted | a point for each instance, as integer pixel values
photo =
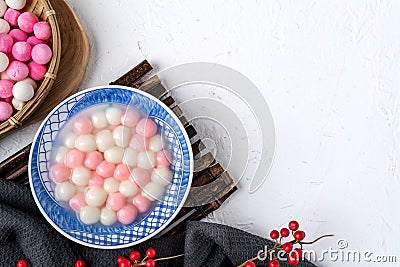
(31, 82)
(81, 176)
(89, 215)
(113, 115)
(16, 4)
(153, 191)
(65, 191)
(3, 8)
(114, 155)
(23, 91)
(99, 119)
(17, 104)
(146, 159)
(86, 143)
(96, 196)
(4, 26)
(108, 217)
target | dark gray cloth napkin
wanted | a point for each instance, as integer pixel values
(25, 234)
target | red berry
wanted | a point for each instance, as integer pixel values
(150, 263)
(80, 263)
(250, 264)
(299, 235)
(273, 263)
(293, 225)
(299, 252)
(135, 255)
(120, 258)
(22, 263)
(293, 259)
(285, 232)
(150, 253)
(274, 234)
(287, 247)
(124, 263)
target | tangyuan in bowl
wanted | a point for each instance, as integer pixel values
(110, 167)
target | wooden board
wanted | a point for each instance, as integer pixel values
(207, 169)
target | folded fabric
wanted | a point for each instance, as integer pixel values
(25, 234)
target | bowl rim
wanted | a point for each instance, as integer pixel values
(187, 139)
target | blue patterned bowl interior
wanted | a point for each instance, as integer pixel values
(119, 235)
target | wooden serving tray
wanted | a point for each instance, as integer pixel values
(15, 167)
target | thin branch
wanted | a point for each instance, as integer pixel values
(312, 242)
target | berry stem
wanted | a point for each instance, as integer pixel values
(312, 242)
(143, 262)
(169, 258)
(278, 247)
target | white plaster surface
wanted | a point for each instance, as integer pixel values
(330, 73)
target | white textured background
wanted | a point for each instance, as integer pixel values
(330, 73)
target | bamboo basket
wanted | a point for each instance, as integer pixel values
(45, 12)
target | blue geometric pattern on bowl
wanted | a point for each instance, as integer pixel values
(119, 235)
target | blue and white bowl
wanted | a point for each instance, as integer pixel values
(119, 236)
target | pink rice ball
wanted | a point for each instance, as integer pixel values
(60, 173)
(6, 111)
(127, 214)
(18, 35)
(93, 159)
(6, 87)
(32, 40)
(146, 127)
(74, 158)
(163, 159)
(77, 202)
(130, 118)
(4, 76)
(17, 71)
(42, 30)
(115, 201)
(142, 203)
(105, 169)
(22, 51)
(140, 176)
(26, 21)
(6, 43)
(83, 125)
(96, 179)
(11, 16)
(41, 54)
(121, 172)
(36, 71)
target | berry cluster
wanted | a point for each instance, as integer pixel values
(294, 254)
(132, 261)
(134, 258)
(25, 263)
(293, 250)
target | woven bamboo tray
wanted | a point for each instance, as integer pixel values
(15, 167)
(44, 11)
(75, 52)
